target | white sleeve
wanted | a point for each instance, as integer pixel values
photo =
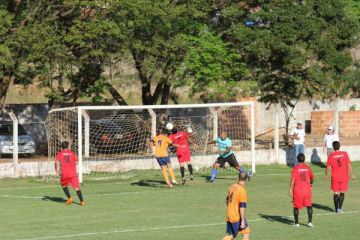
(292, 132)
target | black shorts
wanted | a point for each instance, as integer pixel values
(229, 159)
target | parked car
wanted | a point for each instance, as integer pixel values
(26, 143)
(107, 136)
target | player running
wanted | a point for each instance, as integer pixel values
(226, 155)
(236, 201)
(67, 161)
(161, 143)
(340, 165)
(181, 139)
(302, 179)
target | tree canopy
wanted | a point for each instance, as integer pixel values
(280, 50)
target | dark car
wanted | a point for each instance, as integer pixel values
(107, 136)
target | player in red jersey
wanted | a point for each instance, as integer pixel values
(182, 151)
(67, 160)
(302, 179)
(341, 169)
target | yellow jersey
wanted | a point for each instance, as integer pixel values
(162, 143)
(236, 198)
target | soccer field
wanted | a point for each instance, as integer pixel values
(142, 208)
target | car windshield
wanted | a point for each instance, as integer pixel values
(7, 129)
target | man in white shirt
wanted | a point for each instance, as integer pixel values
(298, 136)
(329, 138)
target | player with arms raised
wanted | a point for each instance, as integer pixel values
(161, 143)
(340, 165)
(66, 160)
(181, 139)
(236, 201)
(302, 179)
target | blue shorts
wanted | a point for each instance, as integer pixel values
(233, 228)
(163, 160)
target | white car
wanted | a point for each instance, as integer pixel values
(26, 142)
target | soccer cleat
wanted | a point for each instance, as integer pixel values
(69, 201)
(174, 182)
(212, 181)
(191, 177)
(169, 184)
(183, 181)
(296, 225)
(82, 203)
(339, 211)
(310, 224)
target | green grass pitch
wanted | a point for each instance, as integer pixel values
(141, 208)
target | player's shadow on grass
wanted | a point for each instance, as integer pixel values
(322, 207)
(150, 183)
(56, 199)
(280, 219)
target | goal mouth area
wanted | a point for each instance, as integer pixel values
(111, 139)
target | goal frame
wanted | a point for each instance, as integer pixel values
(82, 114)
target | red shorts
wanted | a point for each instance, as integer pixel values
(73, 181)
(337, 186)
(183, 156)
(300, 202)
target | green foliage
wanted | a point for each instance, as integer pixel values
(211, 68)
(353, 8)
(297, 47)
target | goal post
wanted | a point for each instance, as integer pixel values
(113, 140)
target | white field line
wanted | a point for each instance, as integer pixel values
(102, 194)
(160, 228)
(120, 183)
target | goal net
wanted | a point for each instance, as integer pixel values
(115, 141)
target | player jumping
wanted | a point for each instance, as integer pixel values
(181, 139)
(161, 143)
(236, 201)
(226, 155)
(340, 165)
(302, 179)
(67, 160)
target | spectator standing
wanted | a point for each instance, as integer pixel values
(298, 137)
(329, 138)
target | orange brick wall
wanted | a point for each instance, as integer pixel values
(349, 122)
(320, 120)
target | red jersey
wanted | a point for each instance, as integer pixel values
(339, 162)
(302, 176)
(180, 138)
(67, 159)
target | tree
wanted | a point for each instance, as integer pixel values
(155, 40)
(294, 49)
(211, 69)
(15, 16)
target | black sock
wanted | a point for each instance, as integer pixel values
(190, 169)
(336, 201)
(66, 191)
(341, 200)
(296, 215)
(182, 170)
(310, 213)
(80, 195)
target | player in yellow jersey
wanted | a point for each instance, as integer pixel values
(236, 201)
(161, 143)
